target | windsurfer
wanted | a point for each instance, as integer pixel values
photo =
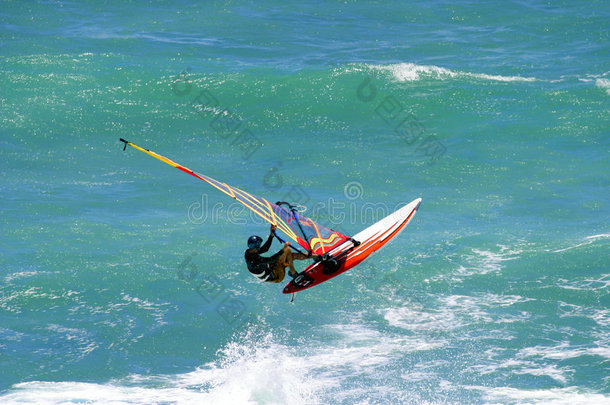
(271, 269)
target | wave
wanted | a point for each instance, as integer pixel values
(256, 368)
(480, 262)
(257, 371)
(519, 367)
(38, 392)
(557, 396)
(453, 312)
(587, 241)
(406, 72)
(564, 351)
(603, 84)
(410, 72)
(586, 283)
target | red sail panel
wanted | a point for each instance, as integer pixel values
(321, 239)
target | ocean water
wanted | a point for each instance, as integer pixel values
(122, 279)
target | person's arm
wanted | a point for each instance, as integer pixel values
(267, 244)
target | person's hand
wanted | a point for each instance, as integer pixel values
(273, 228)
(286, 244)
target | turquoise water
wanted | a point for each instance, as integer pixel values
(122, 279)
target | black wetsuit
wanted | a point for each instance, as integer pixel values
(259, 266)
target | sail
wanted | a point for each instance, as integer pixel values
(313, 237)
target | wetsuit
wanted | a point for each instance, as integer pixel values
(262, 267)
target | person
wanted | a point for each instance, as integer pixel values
(271, 269)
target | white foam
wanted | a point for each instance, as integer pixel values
(587, 283)
(552, 371)
(158, 310)
(563, 351)
(407, 72)
(587, 241)
(482, 262)
(362, 347)
(81, 338)
(404, 72)
(43, 393)
(496, 366)
(474, 303)
(600, 236)
(602, 317)
(15, 301)
(523, 366)
(256, 369)
(603, 84)
(415, 317)
(257, 372)
(492, 261)
(541, 361)
(358, 350)
(453, 312)
(20, 274)
(553, 396)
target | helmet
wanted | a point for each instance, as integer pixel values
(254, 242)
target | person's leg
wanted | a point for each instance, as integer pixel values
(291, 257)
(284, 256)
(286, 260)
(299, 256)
(279, 268)
(279, 272)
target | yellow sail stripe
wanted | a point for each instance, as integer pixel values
(271, 213)
(230, 189)
(249, 201)
(319, 237)
(249, 198)
(328, 241)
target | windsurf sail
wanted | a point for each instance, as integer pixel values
(313, 237)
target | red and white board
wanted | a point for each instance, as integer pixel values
(347, 255)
